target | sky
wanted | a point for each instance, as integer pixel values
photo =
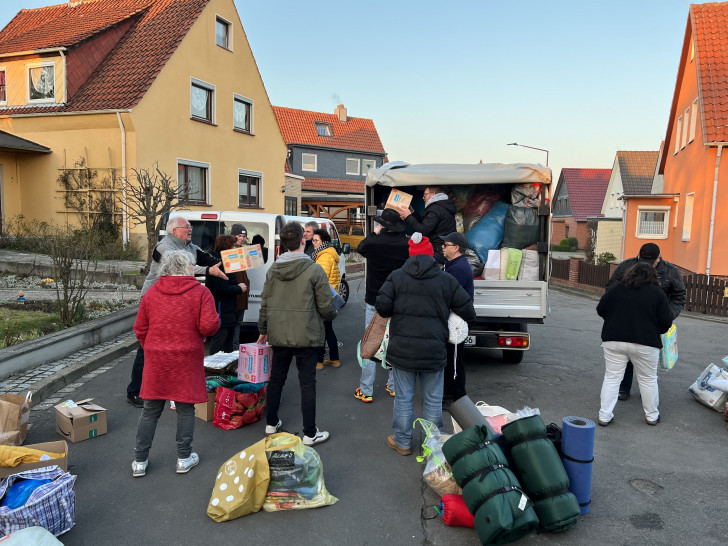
(456, 82)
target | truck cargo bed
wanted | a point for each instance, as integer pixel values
(511, 299)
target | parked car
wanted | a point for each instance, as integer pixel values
(352, 235)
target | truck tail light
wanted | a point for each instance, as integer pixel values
(513, 341)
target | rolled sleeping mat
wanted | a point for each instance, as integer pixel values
(503, 512)
(577, 454)
(539, 468)
(467, 414)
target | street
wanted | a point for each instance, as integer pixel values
(651, 485)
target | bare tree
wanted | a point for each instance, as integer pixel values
(151, 194)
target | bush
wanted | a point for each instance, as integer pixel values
(605, 258)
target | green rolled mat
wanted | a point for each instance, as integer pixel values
(539, 468)
(501, 520)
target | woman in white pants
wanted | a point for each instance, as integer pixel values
(635, 313)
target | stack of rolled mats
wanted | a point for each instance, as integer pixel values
(503, 513)
(541, 472)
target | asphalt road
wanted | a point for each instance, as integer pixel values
(651, 485)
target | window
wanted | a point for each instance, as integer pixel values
(242, 114)
(202, 101)
(693, 120)
(684, 138)
(688, 220)
(367, 164)
(192, 180)
(678, 132)
(222, 33)
(3, 95)
(323, 129)
(42, 83)
(352, 166)
(309, 162)
(290, 206)
(249, 183)
(652, 222)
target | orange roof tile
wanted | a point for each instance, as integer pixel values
(298, 127)
(121, 79)
(333, 185)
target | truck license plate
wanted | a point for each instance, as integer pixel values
(470, 341)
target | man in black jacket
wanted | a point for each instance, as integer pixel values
(437, 221)
(419, 298)
(670, 281)
(385, 250)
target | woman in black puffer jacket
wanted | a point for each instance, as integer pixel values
(226, 294)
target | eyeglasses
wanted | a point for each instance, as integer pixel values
(188, 228)
(426, 193)
(448, 244)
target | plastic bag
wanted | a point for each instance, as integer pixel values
(526, 195)
(488, 232)
(521, 227)
(437, 473)
(296, 475)
(476, 265)
(236, 409)
(668, 353)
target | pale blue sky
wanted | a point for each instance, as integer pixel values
(456, 82)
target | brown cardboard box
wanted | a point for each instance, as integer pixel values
(398, 199)
(81, 420)
(206, 410)
(59, 446)
(241, 259)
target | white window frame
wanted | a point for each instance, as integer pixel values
(28, 68)
(693, 120)
(259, 176)
(249, 102)
(666, 223)
(210, 87)
(229, 32)
(678, 132)
(373, 166)
(358, 166)
(688, 218)
(208, 178)
(5, 102)
(686, 123)
(315, 162)
(325, 124)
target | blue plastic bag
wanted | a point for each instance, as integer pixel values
(487, 234)
(19, 492)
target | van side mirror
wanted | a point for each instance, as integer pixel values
(346, 248)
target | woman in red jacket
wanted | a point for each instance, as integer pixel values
(174, 316)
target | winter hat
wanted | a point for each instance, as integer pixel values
(238, 229)
(419, 244)
(649, 252)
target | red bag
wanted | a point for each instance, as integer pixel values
(455, 512)
(235, 409)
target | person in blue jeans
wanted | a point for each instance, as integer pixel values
(419, 298)
(385, 250)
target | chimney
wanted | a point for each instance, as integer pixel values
(341, 113)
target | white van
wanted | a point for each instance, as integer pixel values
(263, 228)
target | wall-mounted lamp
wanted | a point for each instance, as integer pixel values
(283, 189)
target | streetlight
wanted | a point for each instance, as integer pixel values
(533, 148)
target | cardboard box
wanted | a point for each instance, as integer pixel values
(77, 421)
(398, 199)
(59, 446)
(254, 363)
(206, 410)
(242, 259)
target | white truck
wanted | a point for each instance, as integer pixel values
(504, 308)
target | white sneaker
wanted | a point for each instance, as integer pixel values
(184, 465)
(139, 469)
(319, 438)
(270, 429)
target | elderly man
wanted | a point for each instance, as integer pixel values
(308, 230)
(437, 221)
(179, 237)
(453, 247)
(670, 281)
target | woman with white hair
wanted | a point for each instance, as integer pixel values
(174, 316)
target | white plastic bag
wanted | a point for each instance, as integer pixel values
(437, 473)
(704, 393)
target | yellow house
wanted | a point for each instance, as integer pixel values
(122, 84)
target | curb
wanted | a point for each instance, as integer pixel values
(48, 386)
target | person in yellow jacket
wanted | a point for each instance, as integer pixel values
(326, 256)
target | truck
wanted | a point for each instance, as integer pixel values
(504, 308)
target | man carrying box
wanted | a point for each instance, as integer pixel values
(295, 299)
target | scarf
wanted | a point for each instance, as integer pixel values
(324, 245)
(435, 198)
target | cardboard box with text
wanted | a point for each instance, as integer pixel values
(398, 199)
(242, 259)
(77, 421)
(254, 363)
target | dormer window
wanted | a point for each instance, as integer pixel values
(323, 129)
(42, 82)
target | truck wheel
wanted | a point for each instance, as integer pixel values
(513, 357)
(344, 290)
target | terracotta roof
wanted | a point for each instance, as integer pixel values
(333, 185)
(710, 31)
(123, 77)
(298, 127)
(586, 189)
(637, 170)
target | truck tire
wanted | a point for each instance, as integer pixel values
(344, 290)
(511, 356)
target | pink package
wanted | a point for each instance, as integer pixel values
(254, 362)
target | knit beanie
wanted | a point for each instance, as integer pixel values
(419, 244)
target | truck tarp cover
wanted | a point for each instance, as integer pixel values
(398, 173)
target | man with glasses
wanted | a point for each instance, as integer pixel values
(179, 237)
(437, 221)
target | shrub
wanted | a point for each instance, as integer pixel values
(572, 243)
(605, 258)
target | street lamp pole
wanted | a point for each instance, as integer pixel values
(532, 148)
